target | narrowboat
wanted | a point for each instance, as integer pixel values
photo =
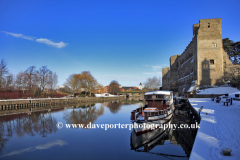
(157, 111)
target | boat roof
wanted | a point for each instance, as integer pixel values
(158, 92)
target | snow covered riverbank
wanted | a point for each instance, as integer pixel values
(219, 129)
(220, 90)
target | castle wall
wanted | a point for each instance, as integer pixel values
(187, 67)
(230, 70)
(173, 73)
(166, 78)
(204, 61)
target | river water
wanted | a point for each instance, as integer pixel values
(38, 135)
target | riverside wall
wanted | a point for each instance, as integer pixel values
(137, 95)
(194, 112)
(15, 104)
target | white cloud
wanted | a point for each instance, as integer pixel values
(51, 43)
(20, 36)
(155, 67)
(156, 70)
(40, 40)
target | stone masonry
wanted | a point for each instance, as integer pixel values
(204, 62)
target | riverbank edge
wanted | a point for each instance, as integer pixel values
(14, 104)
(216, 130)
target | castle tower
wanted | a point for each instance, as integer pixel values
(203, 62)
(210, 50)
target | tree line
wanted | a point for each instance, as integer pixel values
(30, 81)
(35, 82)
(83, 82)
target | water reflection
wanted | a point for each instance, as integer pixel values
(40, 147)
(4, 135)
(84, 115)
(147, 139)
(133, 99)
(114, 106)
(153, 142)
(159, 137)
(28, 136)
(39, 123)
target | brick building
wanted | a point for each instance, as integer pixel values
(122, 88)
(106, 89)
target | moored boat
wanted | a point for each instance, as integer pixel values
(157, 112)
(146, 139)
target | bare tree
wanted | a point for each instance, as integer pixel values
(9, 82)
(65, 88)
(31, 77)
(21, 81)
(72, 83)
(153, 83)
(99, 88)
(3, 73)
(52, 80)
(44, 73)
(36, 83)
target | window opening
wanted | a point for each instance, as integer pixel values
(211, 61)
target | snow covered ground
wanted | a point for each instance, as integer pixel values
(219, 90)
(219, 129)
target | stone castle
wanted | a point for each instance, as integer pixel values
(204, 61)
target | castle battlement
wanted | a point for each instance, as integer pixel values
(203, 61)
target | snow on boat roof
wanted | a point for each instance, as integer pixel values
(158, 92)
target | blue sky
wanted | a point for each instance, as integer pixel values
(127, 41)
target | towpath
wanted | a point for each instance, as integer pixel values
(219, 128)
